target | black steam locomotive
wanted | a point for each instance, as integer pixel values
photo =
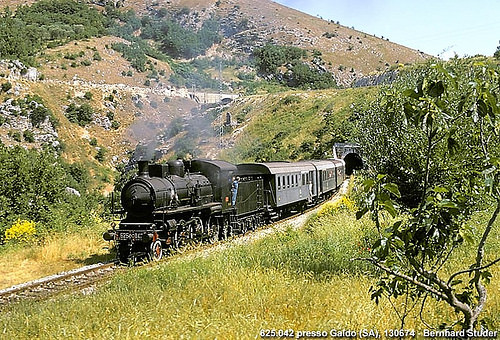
(168, 205)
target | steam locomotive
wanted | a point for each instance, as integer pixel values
(169, 205)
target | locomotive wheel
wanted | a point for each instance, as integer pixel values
(212, 231)
(155, 251)
(224, 231)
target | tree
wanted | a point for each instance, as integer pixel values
(497, 52)
(437, 131)
(82, 115)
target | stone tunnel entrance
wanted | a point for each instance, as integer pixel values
(350, 153)
(353, 162)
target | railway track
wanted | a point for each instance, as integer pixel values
(82, 279)
(85, 279)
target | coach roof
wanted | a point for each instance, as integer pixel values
(273, 168)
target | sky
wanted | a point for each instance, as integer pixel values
(441, 28)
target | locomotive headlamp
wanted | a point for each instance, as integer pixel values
(109, 236)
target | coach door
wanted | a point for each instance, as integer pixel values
(311, 181)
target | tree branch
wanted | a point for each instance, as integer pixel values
(481, 290)
(473, 270)
(422, 285)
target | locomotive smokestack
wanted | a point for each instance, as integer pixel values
(143, 168)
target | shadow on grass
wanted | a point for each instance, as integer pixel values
(97, 258)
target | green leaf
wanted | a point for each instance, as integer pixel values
(486, 276)
(446, 203)
(435, 89)
(411, 93)
(467, 234)
(389, 207)
(368, 184)
(482, 108)
(440, 189)
(392, 188)
(452, 145)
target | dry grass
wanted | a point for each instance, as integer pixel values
(57, 253)
(300, 280)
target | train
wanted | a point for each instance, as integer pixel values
(169, 205)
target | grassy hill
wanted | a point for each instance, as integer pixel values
(291, 125)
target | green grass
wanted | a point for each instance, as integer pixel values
(300, 280)
(293, 124)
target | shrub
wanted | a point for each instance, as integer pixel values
(97, 56)
(21, 231)
(101, 153)
(28, 136)
(332, 208)
(6, 87)
(38, 115)
(82, 115)
(88, 95)
(15, 135)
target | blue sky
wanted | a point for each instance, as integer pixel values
(437, 27)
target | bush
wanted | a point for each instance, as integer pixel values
(28, 136)
(101, 153)
(15, 135)
(96, 56)
(21, 231)
(287, 65)
(47, 22)
(38, 115)
(33, 189)
(82, 115)
(6, 87)
(88, 95)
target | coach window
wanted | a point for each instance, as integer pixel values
(279, 182)
(288, 181)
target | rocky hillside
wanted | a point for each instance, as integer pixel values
(95, 104)
(247, 24)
